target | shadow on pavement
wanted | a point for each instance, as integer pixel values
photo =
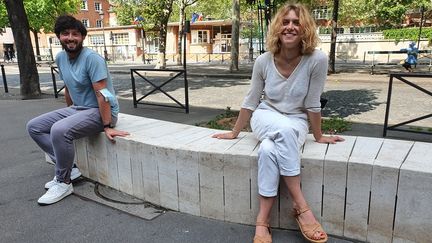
(194, 83)
(343, 103)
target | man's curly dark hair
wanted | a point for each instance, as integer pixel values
(65, 22)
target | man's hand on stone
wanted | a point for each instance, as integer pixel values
(111, 133)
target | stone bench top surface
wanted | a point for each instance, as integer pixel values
(397, 154)
(363, 188)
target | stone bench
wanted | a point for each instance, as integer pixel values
(369, 189)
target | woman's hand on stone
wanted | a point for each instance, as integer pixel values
(330, 139)
(226, 135)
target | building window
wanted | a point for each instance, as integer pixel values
(363, 29)
(340, 30)
(55, 41)
(85, 22)
(84, 5)
(328, 31)
(96, 40)
(200, 36)
(99, 23)
(321, 13)
(120, 39)
(98, 6)
(225, 36)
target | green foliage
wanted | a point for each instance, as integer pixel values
(214, 122)
(154, 12)
(41, 14)
(420, 129)
(4, 21)
(127, 10)
(216, 9)
(408, 34)
(334, 125)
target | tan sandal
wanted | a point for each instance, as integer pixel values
(309, 230)
(263, 239)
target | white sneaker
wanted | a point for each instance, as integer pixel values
(57, 192)
(75, 173)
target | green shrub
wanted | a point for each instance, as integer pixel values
(408, 34)
(334, 125)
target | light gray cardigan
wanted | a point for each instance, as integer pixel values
(292, 95)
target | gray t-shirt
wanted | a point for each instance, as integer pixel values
(80, 73)
(294, 95)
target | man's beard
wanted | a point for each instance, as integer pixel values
(77, 48)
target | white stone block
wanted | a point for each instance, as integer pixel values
(254, 186)
(413, 222)
(335, 170)
(122, 148)
(211, 185)
(359, 177)
(81, 156)
(312, 172)
(236, 172)
(166, 159)
(247, 142)
(134, 124)
(110, 165)
(98, 159)
(155, 133)
(274, 214)
(383, 189)
(286, 219)
(150, 172)
(136, 158)
(188, 182)
(212, 145)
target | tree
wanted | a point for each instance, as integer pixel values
(182, 4)
(333, 37)
(156, 14)
(215, 9)
(29, 78)
(235, 35)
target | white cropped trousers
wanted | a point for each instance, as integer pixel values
(281, 139)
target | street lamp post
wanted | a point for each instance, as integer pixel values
(101, 15)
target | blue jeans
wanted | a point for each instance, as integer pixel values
(55, 131)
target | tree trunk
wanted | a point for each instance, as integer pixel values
(29, 78)
(235, 36)
(35, 35)
(162, 46)
(332, 58)
(163, 34)
(180, 32)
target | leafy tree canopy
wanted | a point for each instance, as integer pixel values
(383, 13)
(41, 14)
(128, 10)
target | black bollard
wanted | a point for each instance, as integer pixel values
(4, 79)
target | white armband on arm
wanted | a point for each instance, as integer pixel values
(108, 96)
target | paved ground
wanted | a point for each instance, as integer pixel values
(357, 96)
(353, 94)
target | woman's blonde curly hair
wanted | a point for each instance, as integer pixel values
(307, 27)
